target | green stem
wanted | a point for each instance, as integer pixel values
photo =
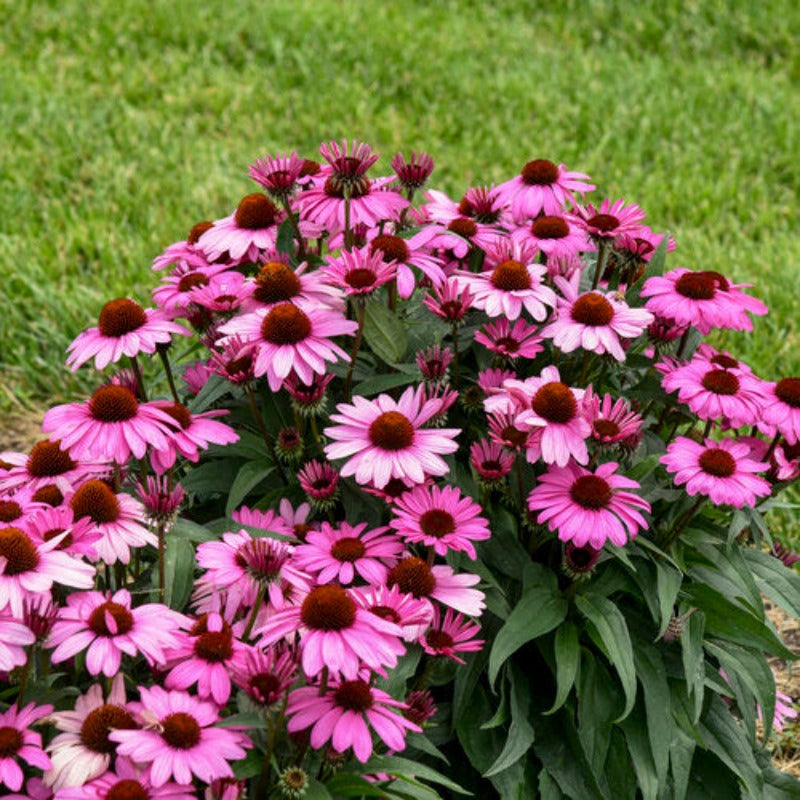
(301, 247)
(682, 343)
(681, 523)
(455, 355)
(348, 382)
(348, 233)
(162, 584)
(317, 438)
(254, 614)
(256, 412)
(137, 371)
(602, 256)
(168, 371)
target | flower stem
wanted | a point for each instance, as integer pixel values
(772, 445)
(255, 411)
(317, 438)
(161, 572)
(137, 371)
(348, 382)
(455, 355)
(602, 256)
(683, 342)
(168, 371)
(301, 247)
(681, 523)
(254, 614)
(348, 233)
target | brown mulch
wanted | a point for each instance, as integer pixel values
(20, 430)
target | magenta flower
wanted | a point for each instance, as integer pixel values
(715, 393)
(180, 741)
(160, 500)
(413, 576)
(18, 741)
(264, 676)
(185, 253)
(703, 299)
(204, 657)
(83, 750)
(542, 186)
(277, 174)
(781, 409)
(440, 518)
(594, 321)
(450, 635)
(28, 568)
(612, 420)
(359, 271)
(126, 782)
(110, 426)
(253, 227)
(116, 517)
(383, 439)
(589, 507)
(269, 520)
(449, 301)
(557, 236)
(480, 204)
(124, 329)
(107, 627)
(335, 634)
(610, 220)
(49, 523)
(412, 174)
(177, 290)
(411, 614)
(722, 471)
(287, 339)
(518, 341)
(342, 552)
(342, 715)
(511, 282)
(193, 432)
(490, 461)
(407, 253)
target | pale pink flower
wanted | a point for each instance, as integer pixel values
(177, 290)
(15, 636)
(180, 741)
(343, 713)
(557, 236)
(124, 329)
(276, 282)
(45, 464)
(589, 507)
(722, 471)
(411, 614)
(413, 576)
(404, 254)
(780, 411)
(481, 204)
(107, 628)
(269, 520)
(383, 438)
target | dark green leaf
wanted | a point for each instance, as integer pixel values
(599, 701)
(567, 658)
(778, 582)
(403, 767)
(285, 243)
(635, 729)
(249, 476)
(548, 788)
(657, 701)
(520, 734)
(382, 383)
(178, 572)
(215, 387)
(247, 719)
(538, 611)
(316, 790)
(385, 334)
(613, 637)
(419, 741)
(693, 661)
(346, 784)
(668, 583)
(212, 477)
(681, 752)
(191, 531)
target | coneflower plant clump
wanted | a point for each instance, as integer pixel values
(391, 494)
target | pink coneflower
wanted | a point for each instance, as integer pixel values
(15, 509)
(195, 376)
(276, 282)
(383, 439)
(45, 464)
(412, 174)
(180, 741)
(117, 517)
(413, 576)
(589, 507)
(612, 421)
(124, 329)
(392, 490)
(224, 293)
(609, 220)
(203, 656)
(558, 236)
(594, 321)
(14, 638)
(556, 412)
(192, 433)
(505, 432)
(342, 552)
(703, 299)
(106, 627)
(490, 461)
(184, 253)
(84, 749)
(780, 411)
(40, 615)
(110, 426)
(126, 782)
(28, 568)
(411, 614)
(18, 741)
(433, 363)
(455, 241)
(342, 715)
(542, 186)
(268, 520)
(420, 707)
(245, 566)
(512, 282)
(277, 174)
(520, 340)
(722, 471)
(264, 676)
(715, 393)
(449, 301)
(175, 292)
(407, 253)
(359, 271)
(579, 562)
(479, 203)
(786, 458)
(49, 523)
(439, 517)
(345, 176)
(232, 361)
(784, 554)
(289, 339)
(308, 400)
(160, 500)
(450, 635)
(253, 227)
(335, 633)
